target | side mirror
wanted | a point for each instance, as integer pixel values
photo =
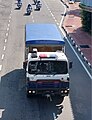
(25, 65)
(70, 64)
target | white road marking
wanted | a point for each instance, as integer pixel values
(7, 29)
(54, 116)
(9, 21)
(51, 13)
(8, 25)
(6, 34)
(11, 12)
(4, 48)
(0, 69)
(57, 23)
(32, 18)
(61, 22)
(5, 40)
(2, 56)
(10, 17)
(1, 112)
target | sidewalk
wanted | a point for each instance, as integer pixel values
(72, 25)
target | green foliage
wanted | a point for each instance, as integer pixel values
(86, 21)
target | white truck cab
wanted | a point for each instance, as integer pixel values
(47, 73)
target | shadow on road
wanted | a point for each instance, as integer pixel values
(14, 105)
(17, 8)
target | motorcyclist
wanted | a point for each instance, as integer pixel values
(19, 4)
(38, 5)
(29, 7)
(19, 1)
(35, 1)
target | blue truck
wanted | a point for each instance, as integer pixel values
(46, 65)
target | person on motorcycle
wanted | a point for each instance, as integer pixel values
(19, 1)
(19, 4)
(29, 7)
(38, 5)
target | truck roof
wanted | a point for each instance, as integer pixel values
(43, 34)
(58, 55)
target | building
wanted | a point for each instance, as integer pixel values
(86, 14)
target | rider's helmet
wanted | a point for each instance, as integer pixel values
(29, 5)
(38, 1)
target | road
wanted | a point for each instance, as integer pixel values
(14, 105)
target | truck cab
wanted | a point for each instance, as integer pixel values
(47, 73)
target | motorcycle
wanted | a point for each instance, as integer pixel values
(19, 4)
(35, 1)
(29, 10)
(38, 5)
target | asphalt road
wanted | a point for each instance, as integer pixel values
(14, 105)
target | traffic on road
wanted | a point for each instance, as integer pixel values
(15, 104)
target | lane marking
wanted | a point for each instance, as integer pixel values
(4, 48)
(8, 29)
(9, 21)
(32, 18)
(51, 13)
(1, 112)
(11, 12)
(2, 56)
(10, 17)
(57, 23)
(0, 67)
(6, 34)
(8, 25)
(54, 116)
(5, 40)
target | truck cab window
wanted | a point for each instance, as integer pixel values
(32, 67)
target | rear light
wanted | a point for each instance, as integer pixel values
(43, 56)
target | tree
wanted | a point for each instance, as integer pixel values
(86, 21)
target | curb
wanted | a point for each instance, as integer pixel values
(73, 41)
(64, 3)
(77, 47)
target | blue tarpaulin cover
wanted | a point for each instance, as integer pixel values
(43, 34)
